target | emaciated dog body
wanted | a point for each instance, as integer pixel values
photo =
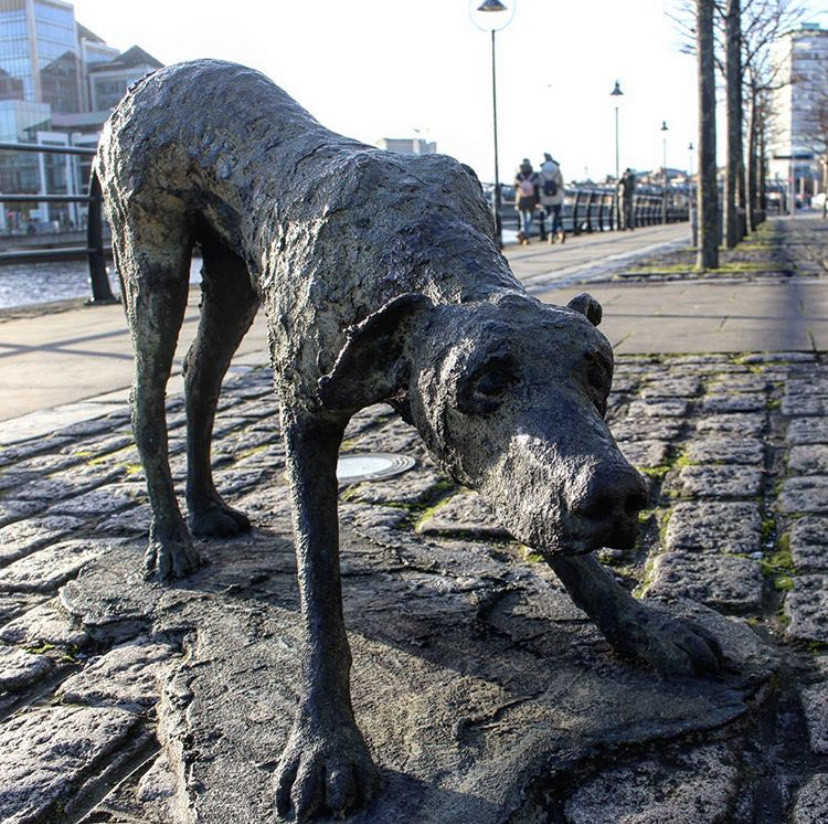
(381, 281)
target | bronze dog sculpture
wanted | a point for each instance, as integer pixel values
(381, 281)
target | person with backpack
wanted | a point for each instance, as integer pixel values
(552, 196)
(527, 198)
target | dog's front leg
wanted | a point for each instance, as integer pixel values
(673, 646)
(326, 763)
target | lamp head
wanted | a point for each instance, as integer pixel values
(480, 16)
(616, 92)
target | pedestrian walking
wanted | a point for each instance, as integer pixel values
(626, 200)
(552, 196)
(527, 198)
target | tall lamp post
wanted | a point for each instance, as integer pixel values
(664, 131)
(616, 93)
(493, 16)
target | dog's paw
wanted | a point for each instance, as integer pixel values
(218, 521)
(328, 770)
(672, 646)
(170, 556)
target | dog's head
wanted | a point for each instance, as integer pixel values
(509, 397)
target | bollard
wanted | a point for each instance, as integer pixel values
(98, 278)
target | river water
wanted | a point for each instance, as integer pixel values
(27, 284)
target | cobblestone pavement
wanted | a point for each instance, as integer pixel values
(124, 701)
(780, 249)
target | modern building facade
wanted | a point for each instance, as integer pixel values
(39, 53)
(407, 145)
(58, 83)
(801, 111)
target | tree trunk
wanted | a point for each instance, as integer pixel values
(762, 168)
(708, 239)
(752, 165)
(735, 161)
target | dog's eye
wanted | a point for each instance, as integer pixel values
(486, 389)
(599, 381)
(494, 384)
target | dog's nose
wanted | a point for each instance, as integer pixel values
(614, 492)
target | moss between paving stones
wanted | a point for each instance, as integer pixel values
(779, 565)
(737, 267)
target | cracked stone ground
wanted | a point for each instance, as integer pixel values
(484, 694)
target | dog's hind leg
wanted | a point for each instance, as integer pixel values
(155, 286)
(228, 306)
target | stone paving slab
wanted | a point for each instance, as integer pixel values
(20, 669)
(804, 495)
(698, 785)
(723, 450)
(715, 526)
(807, 607)
(729, 584)
(46, 753)
(815, 705)
(812, 801)
(809, 543)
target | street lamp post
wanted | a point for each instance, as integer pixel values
(664, 131)
(691, 149)
(493, 16)
(616, 93)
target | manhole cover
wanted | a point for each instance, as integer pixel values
(371, 466)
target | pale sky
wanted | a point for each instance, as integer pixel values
(385, 68)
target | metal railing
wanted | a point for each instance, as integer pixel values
(585, 210)
(95, 247)
(595, 208)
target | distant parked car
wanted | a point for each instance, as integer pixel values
(507, 193)
(42, 227)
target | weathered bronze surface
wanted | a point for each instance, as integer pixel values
(382, 282)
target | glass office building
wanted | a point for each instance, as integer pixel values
(58, 82)
(39, 57)
(797, 139)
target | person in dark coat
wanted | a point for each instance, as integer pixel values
(626, 200)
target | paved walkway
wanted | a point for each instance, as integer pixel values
(688, 317)
(85, 352)
(483, 693)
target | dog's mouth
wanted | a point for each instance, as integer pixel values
(587, 535)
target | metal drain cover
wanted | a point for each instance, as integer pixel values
(371, 466)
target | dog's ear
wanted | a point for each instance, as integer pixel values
(371, 367)
(588, 307)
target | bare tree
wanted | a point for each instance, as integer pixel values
(745, 31)
(762, 79)
(734, 169)
(708, 196)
